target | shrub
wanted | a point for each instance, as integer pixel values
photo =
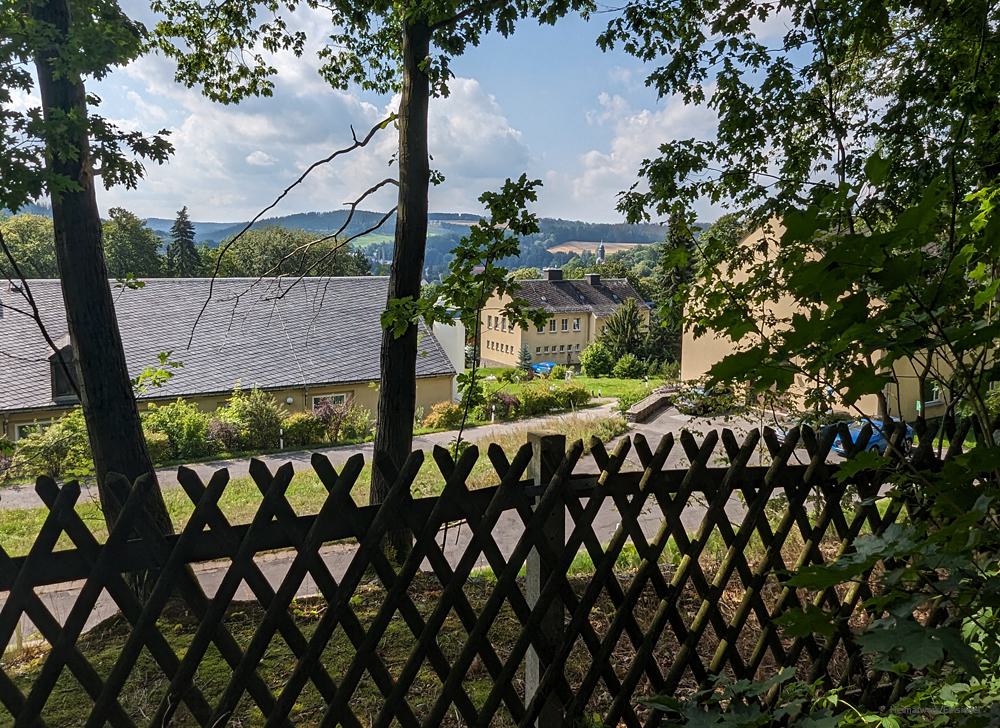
(558, 372)
(629, 367)
(225, 434)
(510, 375)
(345, 421)
(158, 445)
(358, 423)
(504, 405)
(258, 416)
(596, 360)
(572, 396)
(60, 450)
(185, 426)
(538, 400)
(628, 399)
(671, 371)
(444, 415)
(303, 429)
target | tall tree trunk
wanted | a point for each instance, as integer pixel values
(108, 401)
(398, 383)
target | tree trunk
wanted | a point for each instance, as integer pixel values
(108, 400)
(398, 383)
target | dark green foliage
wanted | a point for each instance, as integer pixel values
(597, 360)
(185, 426)
(524, 358)
(302, 429)
(258, 417)
(183, 259)
(131, 249)
(59, 450)
(31, 241)
(629, 366)
(273, 251)
(625, 330)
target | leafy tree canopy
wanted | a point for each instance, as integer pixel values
(130, 248)
(31, 241)
(101, 37)
(272, 251)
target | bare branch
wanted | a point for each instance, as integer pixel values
(357, 144)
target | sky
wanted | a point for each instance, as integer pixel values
(546, 101)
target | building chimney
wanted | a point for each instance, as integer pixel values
(553, 274)
(593, 279)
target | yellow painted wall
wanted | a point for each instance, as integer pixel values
(430, 390)
(503, 348)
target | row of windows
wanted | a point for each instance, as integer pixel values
(499, 323)
(563, 326)
(562, 347)
(503, 348)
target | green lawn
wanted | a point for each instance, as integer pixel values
(306, 493)
(606, 386)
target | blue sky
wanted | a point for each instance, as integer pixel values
(546, 101)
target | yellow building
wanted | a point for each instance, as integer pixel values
(319, 339)
(577, 311)
(903, 395)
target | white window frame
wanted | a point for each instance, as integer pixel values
(565, 324)
(576, 324)
(344, 398)
(541, 329)
(552, 326)
(41, 424)
(538, 350)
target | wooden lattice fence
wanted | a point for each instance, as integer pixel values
(680, 581)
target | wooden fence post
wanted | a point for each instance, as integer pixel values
(548, 450)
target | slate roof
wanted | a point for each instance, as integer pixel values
(574, 294)
(322, 331)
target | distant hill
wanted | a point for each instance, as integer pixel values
(442, 223)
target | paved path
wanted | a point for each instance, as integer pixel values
(60, 598)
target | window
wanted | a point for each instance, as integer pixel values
(576, 324)
(489, 322)
(562, 347)
(541, 329)
(334, 399)
(538, 350)
(565, 324)
(546, 350)
(29, 427)
(552, 325)
(932, 392)
(503, 324)
(578, 347)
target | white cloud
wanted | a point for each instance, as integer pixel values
(591, 189)
(231, 161)
(260, 158)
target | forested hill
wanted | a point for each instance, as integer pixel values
(555, 230)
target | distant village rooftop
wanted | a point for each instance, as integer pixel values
(592, 293)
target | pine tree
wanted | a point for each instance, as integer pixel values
(524, 358)
(183, 260)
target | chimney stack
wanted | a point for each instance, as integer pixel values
(593, 279)
(553, 274)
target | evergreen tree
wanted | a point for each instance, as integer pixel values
(183, 260)
(625, 331)
(524, 358)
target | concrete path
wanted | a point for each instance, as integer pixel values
(60, 598)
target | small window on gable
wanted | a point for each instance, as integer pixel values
(62, 370)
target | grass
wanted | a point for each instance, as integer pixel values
(241, 499)
(606, 386)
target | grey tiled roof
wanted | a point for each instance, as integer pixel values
(578, 295)
(322, 331)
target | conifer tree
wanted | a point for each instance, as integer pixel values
(183, 260)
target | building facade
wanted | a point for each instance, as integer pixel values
(577, 311)
(904, 395)
(317, 340)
